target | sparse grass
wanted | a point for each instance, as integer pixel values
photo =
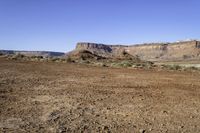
(128, 64)
(125, 64)
(191, 69)
(182, 67)
(170, 67)
(56, 59)
(100, 64)
(121, 64)
(107, 62)
(82, 61)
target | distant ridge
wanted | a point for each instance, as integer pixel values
(33, 53)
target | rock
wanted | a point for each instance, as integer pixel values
(191, 117)
(142, 130)
(180, 127)
(54, 116)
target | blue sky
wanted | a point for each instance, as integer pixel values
(57, 25)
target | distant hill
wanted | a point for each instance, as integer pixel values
(182, 50)
(33, 53)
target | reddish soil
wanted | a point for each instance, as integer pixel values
(60, 97)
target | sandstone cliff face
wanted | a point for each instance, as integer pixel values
(153, 52)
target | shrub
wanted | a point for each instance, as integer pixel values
(124, 64)
(192, 68)
(140, 65)
(19, 56)
(54, 59)
(84, 61)
(39, 57)
(164, 66)
(69, 60)
(16, 56)
(175, 67)
(36, 58)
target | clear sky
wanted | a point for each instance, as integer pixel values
(57, 25)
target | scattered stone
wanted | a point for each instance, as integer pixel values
(142, 130)
(180, 127)
(191, 117)
(165, 112)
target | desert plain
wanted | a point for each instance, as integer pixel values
(68, 97)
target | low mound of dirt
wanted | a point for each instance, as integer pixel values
(84, 55)
(123, 59)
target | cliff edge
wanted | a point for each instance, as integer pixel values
(185, 50)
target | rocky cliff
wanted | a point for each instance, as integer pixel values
(186, 50)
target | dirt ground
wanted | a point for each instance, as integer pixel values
(60, 97)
